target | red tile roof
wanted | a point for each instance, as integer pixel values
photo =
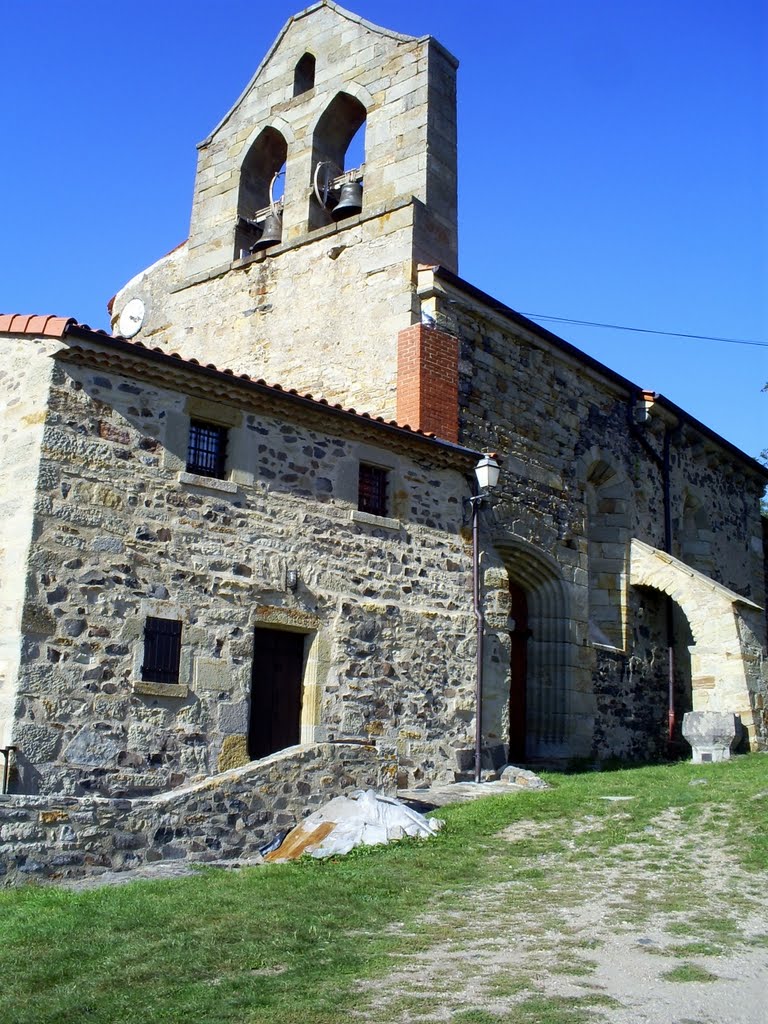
(58, 326)
(48, 326)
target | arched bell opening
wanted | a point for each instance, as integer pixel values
(304, 74)
(259, 199)
(338, 140)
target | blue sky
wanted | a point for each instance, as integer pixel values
(612, 160)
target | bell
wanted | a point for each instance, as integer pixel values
(272, 233)
(350, 200)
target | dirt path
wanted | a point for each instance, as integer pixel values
(668, 929)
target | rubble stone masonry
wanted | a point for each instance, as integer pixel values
(123, 532)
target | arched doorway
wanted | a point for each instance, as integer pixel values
(544, 708)
(518, 665)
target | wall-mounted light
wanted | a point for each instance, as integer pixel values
(487, 472)
(292, 579)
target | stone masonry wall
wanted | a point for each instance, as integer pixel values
(314, 316)
(226, 818)
(24, 382)
(316, 311)
(407, 88)
(123, 532)
(552, 418)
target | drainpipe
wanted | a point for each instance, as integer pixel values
(665, 471)
(663, 461)
(6, 752)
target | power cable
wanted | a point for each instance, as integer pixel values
(646, 330)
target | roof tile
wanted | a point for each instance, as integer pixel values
(58, 326)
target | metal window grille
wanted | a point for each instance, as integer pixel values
(207, 450)
(162, 650)
(372, 490)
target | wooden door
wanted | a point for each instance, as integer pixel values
(278, 658)
(518, 674)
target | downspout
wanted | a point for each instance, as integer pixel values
(663, 461)
(665, 470)
(6, 752)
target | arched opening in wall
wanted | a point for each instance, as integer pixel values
(338, 140)
(542, 655)
(640, 703)
(608, 535)
(304, 74)
(276, 691)
(518, 673)
(257, 223)
(693, 539)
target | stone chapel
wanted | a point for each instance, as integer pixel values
(236, 528)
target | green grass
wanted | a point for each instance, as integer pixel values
(689, 972)
(295, 942)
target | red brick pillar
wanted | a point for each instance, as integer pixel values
(428, 381)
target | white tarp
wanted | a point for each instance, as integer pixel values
(367, 818)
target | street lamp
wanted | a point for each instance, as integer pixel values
(487, 473)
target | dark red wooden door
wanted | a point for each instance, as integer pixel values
(278, 658)
(518, 674)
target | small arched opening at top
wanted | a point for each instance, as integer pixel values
(338, 148)
(264, 160)
(304, 74)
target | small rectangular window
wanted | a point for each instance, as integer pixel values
(207, 449)
(162, 650)
(372, 490)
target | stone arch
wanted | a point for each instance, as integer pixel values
(723, 669)
(304, 74)
(341, 121)
(552, 649)
(607, 528)
(278, 124)
(266, 156)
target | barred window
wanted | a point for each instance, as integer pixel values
(207, 449)
(372, 490)
(162, 650)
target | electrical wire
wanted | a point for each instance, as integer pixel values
(646, 330)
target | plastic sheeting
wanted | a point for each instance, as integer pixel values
(367, 818)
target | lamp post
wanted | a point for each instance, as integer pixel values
(487, 473)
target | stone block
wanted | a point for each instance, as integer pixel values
(711, 734)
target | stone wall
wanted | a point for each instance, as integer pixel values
(312, 316)
(226, 817)
(563, 427)
(318, 310)
(406, 87)
(24, 379)
(123, 532)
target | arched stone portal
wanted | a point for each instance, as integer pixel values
(725, 657)
(550, 702)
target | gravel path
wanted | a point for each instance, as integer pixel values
(668, 930)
